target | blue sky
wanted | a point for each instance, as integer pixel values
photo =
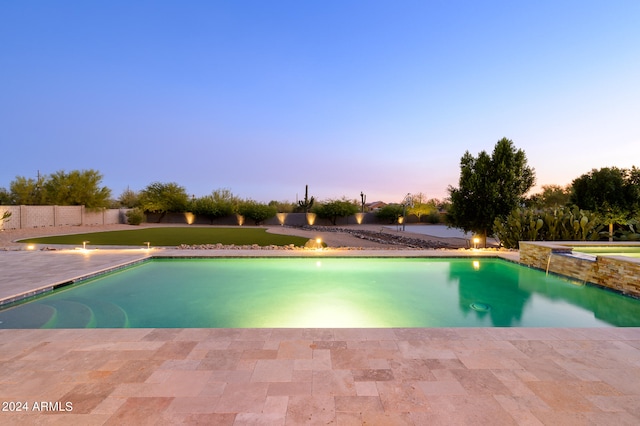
(262, 97)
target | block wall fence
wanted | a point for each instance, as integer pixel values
(24, 217)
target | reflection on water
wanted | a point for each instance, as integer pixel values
(493, 285)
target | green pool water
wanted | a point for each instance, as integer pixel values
(328, 292)
(627, 251)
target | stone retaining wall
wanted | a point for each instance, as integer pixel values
(616, 272)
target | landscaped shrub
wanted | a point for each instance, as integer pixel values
(220, 203)
(333, 209)
(135, 216)
(433, 217)
(390, 212)
(255, 211)
(562, 224)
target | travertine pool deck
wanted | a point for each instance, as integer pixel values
(496, 376)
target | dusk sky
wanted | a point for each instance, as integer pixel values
(263, 97)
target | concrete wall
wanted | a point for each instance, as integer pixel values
(616, 272)
(23, 217)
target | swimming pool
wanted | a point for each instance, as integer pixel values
(327, 292)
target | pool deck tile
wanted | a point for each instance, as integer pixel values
(498, 376)
(584, 380)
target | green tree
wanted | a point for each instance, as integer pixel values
(27, 192)
(552, 196)
(489, 187)
(257, 212)
(390, 212)
(77, 188)
(161, 198)
(422, 207)
(129, 199)
(220, 203)
(5, 197)
(609, 189)
(611, 192)
(282, 206)
(333, 209)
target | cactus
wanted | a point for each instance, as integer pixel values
(568, 224)
(308, 202)
(5, 218)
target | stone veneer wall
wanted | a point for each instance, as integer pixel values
(23, 217)
(615, 272)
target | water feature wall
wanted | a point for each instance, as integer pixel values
(616, 272)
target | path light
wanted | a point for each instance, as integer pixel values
(84, 244)
(476, 241)
(319, 243)
(148, 244)
(31, 247)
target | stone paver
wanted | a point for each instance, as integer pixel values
(150, 376)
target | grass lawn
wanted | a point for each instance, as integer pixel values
(174, 236)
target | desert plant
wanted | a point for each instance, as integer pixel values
(161, 198)
(135, 216)
(307, 203)
(334, 209)
(567, 224)
(220, 203)
(433, 217)
(519, 225)
(390, 212)
(4, 218)
(257, 212)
